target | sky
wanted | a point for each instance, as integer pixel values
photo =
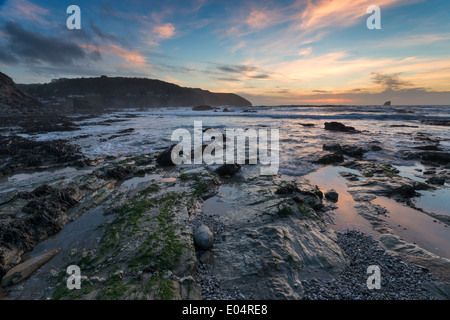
(270, 52)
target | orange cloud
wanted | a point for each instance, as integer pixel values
(341, 13)
(259, 19)
(90, 47)
(133, 58)
(164, 31)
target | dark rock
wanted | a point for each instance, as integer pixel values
(405, 190)
(203, 238)
(332, 195)
(287, 188)
(226, 110)
(437, 122)
(39, 192)
(428, 148)
(228, 170)
(353, 151)
(126, 131)
(119, 172)
(349, 176)
(335, 147)
(307, 124)
(331, 158)
(337, 126)
(402, 126)
(403, 111)
(45, 215)
(436, 180)
(387, 103)
(18, 153)
(164, 159)
(410, 156)
(375, 148)
(435, 156)
(318, 192)
(202, 108)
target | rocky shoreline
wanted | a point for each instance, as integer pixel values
(270, 238)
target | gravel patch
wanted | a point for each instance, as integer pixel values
(211, 289)
(399, 280)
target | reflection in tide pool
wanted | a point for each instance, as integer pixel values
(410, 224)
(436, 201)
(346, 216)
(416, 226)
(410, 172)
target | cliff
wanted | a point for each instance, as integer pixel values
(105, 92)
(12, 99)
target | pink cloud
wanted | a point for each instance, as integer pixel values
(259, 19)
(23, 9)
(339, 13)
(133, 58)
(164, 31)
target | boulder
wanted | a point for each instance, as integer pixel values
(375, 148)
(337, 126)
(164, 159)
(332, 195)
(335, 147)
(331, 158)
(436, 180)
(228, 170)
(353, 151)
(387, 103)
(435, 156)
(203, 238)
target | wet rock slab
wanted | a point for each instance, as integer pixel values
(277, 238)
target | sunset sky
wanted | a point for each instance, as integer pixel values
(270, 52)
